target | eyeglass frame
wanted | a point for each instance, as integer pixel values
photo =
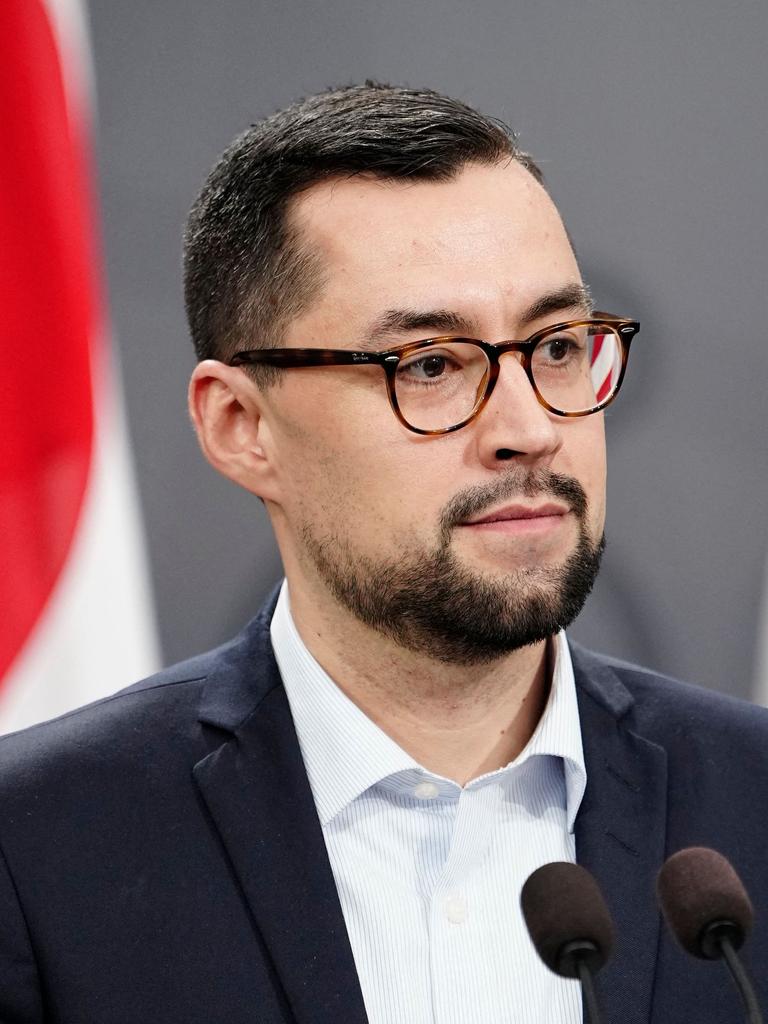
(389, 359)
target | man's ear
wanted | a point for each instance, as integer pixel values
(226, 409)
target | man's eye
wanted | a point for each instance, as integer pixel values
(432, 366)
(557, 349)
(428, 366)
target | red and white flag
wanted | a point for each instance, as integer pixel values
(75, 609)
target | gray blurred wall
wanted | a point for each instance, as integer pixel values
(650, 123)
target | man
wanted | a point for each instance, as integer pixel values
(331, 817)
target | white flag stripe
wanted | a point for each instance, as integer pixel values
(96, 633)
(602, 367)
(68, 22)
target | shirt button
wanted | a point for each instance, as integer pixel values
(455, 909)
(426, 791)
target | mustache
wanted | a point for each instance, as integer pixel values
(518, 483)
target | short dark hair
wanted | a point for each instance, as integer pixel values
(246, 272)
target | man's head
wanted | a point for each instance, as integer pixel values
(365, 219)
(247, 272)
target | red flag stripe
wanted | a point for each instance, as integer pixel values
(597, 345)
(48, 306)
(604, 389)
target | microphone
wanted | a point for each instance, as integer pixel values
(709, 913)
(569, 924)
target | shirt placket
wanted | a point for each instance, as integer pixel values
(455, 907)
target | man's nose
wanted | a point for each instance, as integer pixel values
(514, 424)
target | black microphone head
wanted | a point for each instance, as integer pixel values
(565, 913)
(701, 896)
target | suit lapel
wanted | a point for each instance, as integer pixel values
(620, 833)
(256, 789)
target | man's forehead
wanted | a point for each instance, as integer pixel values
(440, 257)
(423, 209)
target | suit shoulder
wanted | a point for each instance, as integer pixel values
(158, 718)
(141, 716)
(658, 702)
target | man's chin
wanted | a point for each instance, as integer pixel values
(453, 607)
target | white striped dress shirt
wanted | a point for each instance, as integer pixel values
(429, 873)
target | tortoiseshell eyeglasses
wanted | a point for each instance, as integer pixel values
(435, 386)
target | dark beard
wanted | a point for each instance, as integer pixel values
(434, 605)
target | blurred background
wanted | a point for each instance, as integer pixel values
(649, 121)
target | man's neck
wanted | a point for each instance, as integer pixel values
(458, 721)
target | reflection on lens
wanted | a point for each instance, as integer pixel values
(577, 369)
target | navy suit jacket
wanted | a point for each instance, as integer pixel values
(162, 860)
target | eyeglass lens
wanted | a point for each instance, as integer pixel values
(574, 370)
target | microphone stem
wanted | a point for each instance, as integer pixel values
(590, 996)
(744, 985)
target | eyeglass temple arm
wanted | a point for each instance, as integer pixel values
(307, 357)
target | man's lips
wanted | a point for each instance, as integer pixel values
(514, 518)
(519, 512)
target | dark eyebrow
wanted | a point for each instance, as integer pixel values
(432, 321)
(574, 297)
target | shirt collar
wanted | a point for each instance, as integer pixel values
(345, 752)
(558, 733)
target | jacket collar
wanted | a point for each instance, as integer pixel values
(241, 674)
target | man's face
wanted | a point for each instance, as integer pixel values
(388, 520)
